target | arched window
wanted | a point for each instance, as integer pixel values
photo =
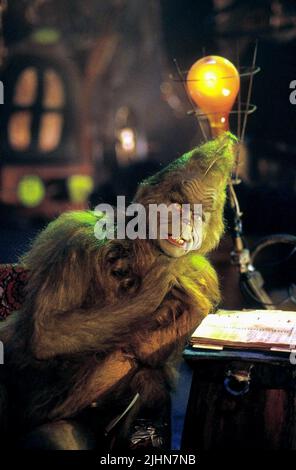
(38, 118)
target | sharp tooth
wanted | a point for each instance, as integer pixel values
(179, 240)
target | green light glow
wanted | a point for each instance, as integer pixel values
(31, 191)
(80, 187)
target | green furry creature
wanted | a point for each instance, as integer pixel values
(104, 320)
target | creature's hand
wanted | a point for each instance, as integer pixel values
(160, 276)
(101, 328)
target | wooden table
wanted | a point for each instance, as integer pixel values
(240, 400)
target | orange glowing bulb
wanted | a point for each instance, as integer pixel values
(213, 83)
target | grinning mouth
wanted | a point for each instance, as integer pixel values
(180, 242)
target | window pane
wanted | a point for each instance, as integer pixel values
(53, 90)
(50, 131)
(19, 130)
(26, 88)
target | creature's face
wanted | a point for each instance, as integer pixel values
(197, 178)
(192, 227)
(197, 209)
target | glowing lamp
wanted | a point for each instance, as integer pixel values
(127, 139)
(213, 84)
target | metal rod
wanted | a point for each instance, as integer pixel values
(239, 94)
(189, 99)
(249, 93)
(242, 136)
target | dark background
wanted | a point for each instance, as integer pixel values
(138, 75)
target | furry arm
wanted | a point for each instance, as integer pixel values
(99, 329)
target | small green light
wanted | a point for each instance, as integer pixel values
(31, 191)
(46, 36)
(80, 187)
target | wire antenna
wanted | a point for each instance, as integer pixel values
(249, 92)
(239, 101)
(246, 113)
(190, 100)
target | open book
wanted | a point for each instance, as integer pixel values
(253, 329)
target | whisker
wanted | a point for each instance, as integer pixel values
(209, 167)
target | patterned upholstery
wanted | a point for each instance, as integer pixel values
(12, 282)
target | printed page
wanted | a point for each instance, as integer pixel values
(257, 328)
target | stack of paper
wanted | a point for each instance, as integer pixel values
(254, 329)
